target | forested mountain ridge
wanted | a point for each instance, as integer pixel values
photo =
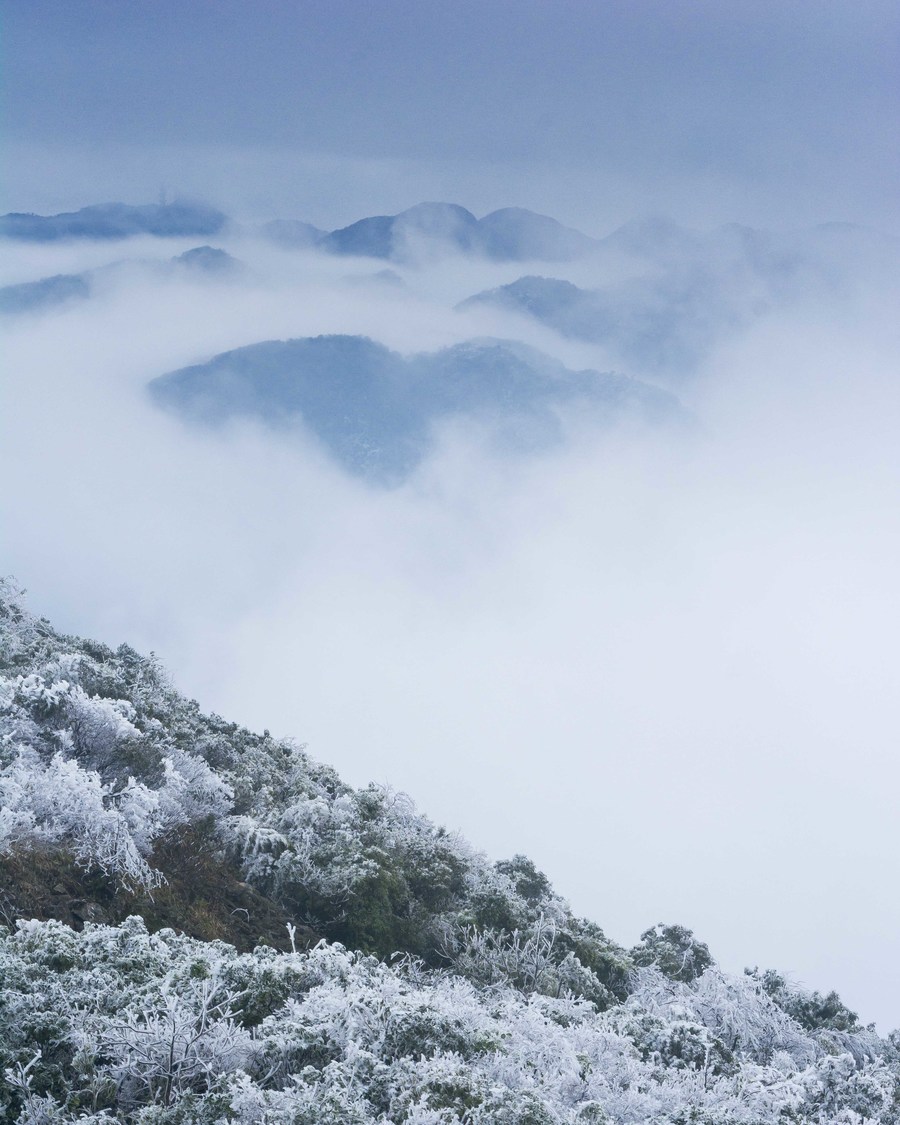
(509, 234)
(114, 221)
(398, 974)
(376, 411)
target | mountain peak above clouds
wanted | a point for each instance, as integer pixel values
(207, 259)
(690, 291)
(115, 221)
(430, 228)
(401, 235)
(510, 234)
(47, 293)
(375, 410)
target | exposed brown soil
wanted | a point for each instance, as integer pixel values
(203, 896)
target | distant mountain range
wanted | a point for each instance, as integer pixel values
(692, 290)
(49, 292)
(30, 296)
(660, 325)
(673, 294)
(114, 221)
(511, 234)
(374, 410)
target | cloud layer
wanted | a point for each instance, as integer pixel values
(660, 663)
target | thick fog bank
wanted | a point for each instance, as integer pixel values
(659, 660)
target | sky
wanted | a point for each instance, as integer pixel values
(661, 664)
(765, 111)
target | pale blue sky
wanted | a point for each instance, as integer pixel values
(739, 109)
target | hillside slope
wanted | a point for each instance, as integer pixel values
(398, 974)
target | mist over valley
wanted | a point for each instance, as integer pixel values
(448, 608)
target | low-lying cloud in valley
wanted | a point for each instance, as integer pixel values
(656, 654)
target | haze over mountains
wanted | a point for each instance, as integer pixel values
(375, 410)
(48, 292)
(29, 296)
(500, 398)
(666, 296)
(696, 289)
(510, 234)
(441, 516)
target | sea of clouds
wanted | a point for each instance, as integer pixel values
(661, 661)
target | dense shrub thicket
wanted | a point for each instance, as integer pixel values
(418, 982)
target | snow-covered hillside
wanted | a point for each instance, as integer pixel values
(374, 968)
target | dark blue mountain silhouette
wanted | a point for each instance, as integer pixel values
(115, 220)
(49, 291)
(375, 410)
(396, 236)
(512, 234)
(207, 259)
(32, 296)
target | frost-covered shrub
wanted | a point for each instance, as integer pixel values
(674, 951)
(191, 791)
(523, 960)
(164, 1028)
(502, 1007)
(183, 1039)
(811, 1010)
(737, 1011)
(362, 867)
(63, 805)
(96, 776)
